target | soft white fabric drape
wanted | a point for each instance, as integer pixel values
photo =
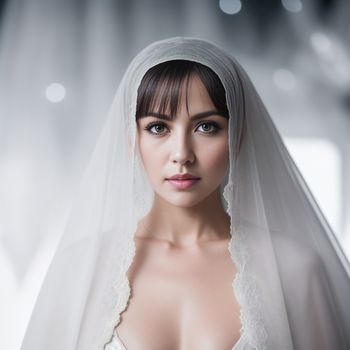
(293, 281)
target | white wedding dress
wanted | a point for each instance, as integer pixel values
(116, 344)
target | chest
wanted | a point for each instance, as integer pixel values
(180, 300)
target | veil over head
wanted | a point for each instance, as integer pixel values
(293, 279)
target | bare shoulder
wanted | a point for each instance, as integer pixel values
(294, 250)
(296, 255)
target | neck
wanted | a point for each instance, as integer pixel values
(185, 226)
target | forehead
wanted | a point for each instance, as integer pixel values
(179, 87)
(193, 95)
(190, 94)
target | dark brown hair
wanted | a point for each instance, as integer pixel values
(162, 84)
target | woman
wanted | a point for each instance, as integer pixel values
(155, 259)
(182, 243)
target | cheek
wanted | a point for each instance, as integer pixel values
(150, 157)
(216, 156)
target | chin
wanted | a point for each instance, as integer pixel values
(183, 200)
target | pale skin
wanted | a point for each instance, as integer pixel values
(181, 276)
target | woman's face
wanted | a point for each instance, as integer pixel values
(185, 145)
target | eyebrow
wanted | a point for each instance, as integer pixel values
(194, 117)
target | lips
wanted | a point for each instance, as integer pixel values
(183, 181)
(183, 177)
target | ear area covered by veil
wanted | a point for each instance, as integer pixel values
(293, 279)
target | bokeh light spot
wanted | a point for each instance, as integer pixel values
(55, 92)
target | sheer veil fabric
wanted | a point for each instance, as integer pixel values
(293, 281)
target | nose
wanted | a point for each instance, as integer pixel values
(182, 151)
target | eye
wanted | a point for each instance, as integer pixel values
(209, 127)
(158, 127)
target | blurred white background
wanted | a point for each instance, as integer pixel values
(61, 62)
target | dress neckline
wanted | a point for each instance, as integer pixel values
(123, 347)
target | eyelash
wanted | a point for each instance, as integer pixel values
(151, 125)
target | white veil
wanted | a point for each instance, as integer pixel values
(293, 279)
